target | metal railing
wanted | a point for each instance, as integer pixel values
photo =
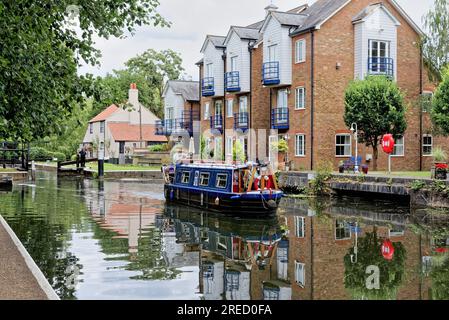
(216, 122)
(270, 73)
(241, 121)
(280, 118)
(232, 81)
(207, 87)
(381, 66)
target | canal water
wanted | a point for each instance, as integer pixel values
(119, 240)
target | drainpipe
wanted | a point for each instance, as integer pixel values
(312, 93)
(223, 108)
(271, 121)
(250, 98)
(420, 108)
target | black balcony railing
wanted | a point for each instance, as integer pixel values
(381, 66)
(188, 120)
(232, 81)
(208, 87)
(270, 73)
(241, 121)
(280, 119)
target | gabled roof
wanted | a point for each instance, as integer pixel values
(285, 19)
(105, 114)
(256, 25)
(217, 41)
(368, 11)
(189, 90)
(322, 10)
(243, 33)
(123, 131)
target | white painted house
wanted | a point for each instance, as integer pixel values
(213, 50)
(376, 42)
(122, 130)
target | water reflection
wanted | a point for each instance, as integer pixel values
(116, 240)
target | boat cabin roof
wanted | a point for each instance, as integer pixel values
(210, 166)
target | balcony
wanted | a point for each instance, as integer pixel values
(280, 119)
(167, 127)
(232, 81)
(208, 87)
(381, 66)
(241, 121)
(270, 73)
(188, 119)
(216, 123)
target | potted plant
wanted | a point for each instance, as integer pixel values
(341, 167)
(281, 146)
(439, 170)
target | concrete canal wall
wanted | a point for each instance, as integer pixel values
(420, 191)
(16, 176)
(20, 277)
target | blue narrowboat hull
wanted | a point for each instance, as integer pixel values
(255, 202)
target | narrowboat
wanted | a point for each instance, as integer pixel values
(250, 188)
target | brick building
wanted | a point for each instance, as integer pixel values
(284, 78)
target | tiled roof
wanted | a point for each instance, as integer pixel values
(247, 33)
(217, 40)
(289, 19)
(188, 89)
(106, 113)
(318, 13)
(123, 131)
(256, 25)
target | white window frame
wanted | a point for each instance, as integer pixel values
(284, 94)
(229, 146)
(209, 70)
(343, 145)
(91, 128)
(217, 180)
(203, 177)
(272, 53)
(183, 175)
(300, 153)
(300, 273)
(229, 108)
(300, 51)
(300, 104)
(234, 63)
(396, 144)
(243, 104)
(207, 111)
(345, 238)
(102, 126)
(300, 232)
(427, 145)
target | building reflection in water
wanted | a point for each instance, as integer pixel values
(306, 252)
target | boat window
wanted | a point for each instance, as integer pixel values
(204, 179)
(222, 180)
(185, 178)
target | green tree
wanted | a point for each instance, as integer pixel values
(40, 51)
(157, 67)
(376, 104)
(238, 153)
(440, 105)
(113, 89)
(391, 273)
(435, 45)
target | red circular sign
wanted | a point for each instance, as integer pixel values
(388, 143)
(387, 250)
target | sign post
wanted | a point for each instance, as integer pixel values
(388, 147)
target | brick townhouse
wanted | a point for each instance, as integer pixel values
(285, 78)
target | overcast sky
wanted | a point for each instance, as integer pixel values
(193, 19)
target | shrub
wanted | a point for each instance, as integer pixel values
(323, 174)
(439, 155)
(417, 185)
(59, 155)
(158, 147)
(40, 154)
